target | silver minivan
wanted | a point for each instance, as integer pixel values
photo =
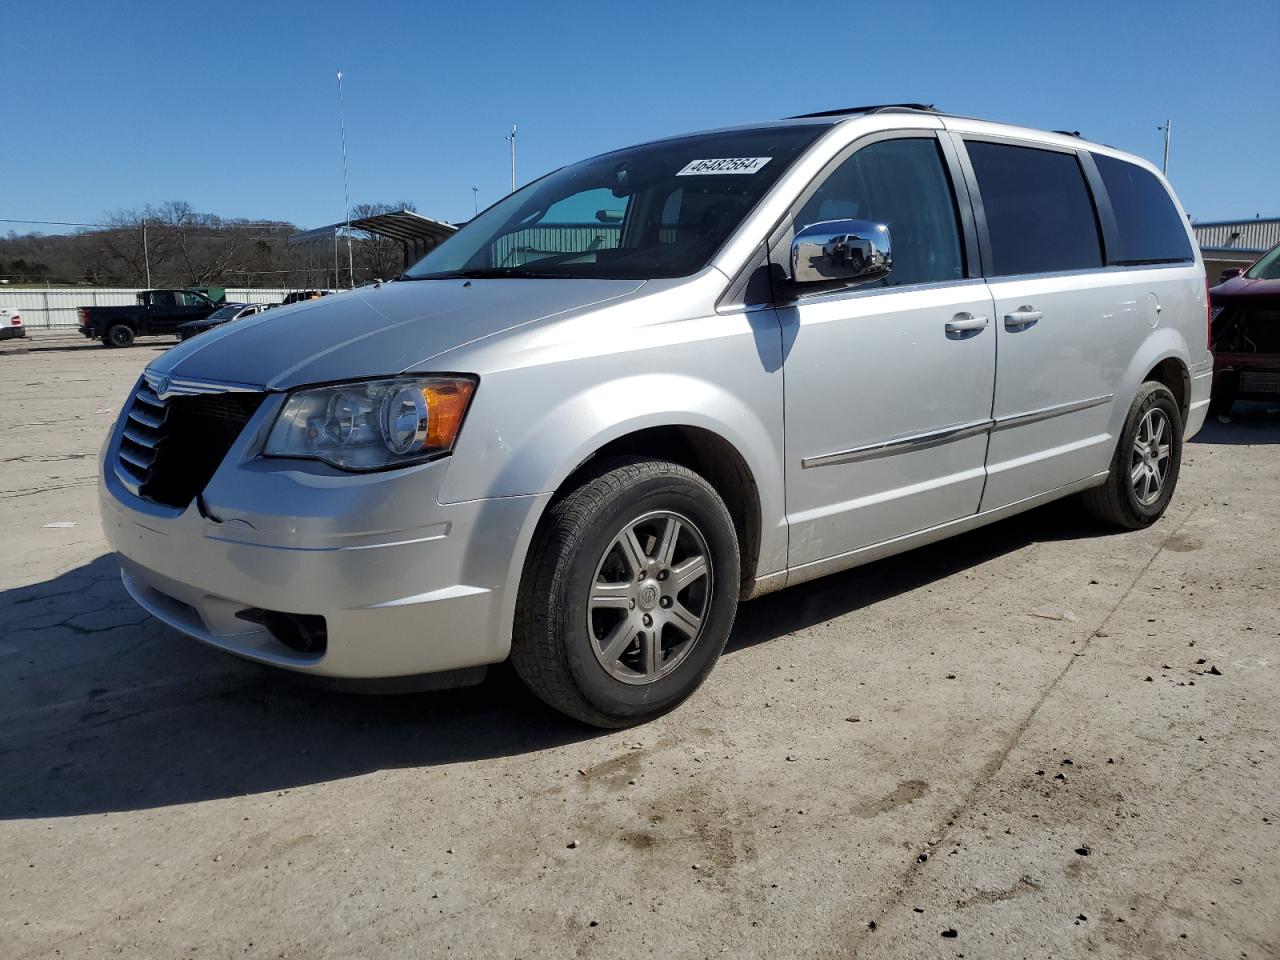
(654, 384)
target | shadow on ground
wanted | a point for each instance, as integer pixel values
(1250, 422)
(103, 709)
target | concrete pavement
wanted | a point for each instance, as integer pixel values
(1041, 739)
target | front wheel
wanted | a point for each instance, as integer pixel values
(628, 595)
(1144, 469)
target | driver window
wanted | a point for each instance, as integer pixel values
(903, 184)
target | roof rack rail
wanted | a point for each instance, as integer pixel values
(870, 108)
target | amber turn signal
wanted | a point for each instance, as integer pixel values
(447, 402)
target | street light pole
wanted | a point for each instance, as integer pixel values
(475, 195)
(346, 190)
(146, 254)
(512, 138)
(1167, 127)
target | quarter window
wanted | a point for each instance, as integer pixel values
(1040, 215)
(903, 184)
(1149, 226)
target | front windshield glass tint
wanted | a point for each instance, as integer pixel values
(658, 210)
(1268, 267)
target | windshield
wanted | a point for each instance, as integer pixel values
(658, 210)
(1267, 267)
(227, 312)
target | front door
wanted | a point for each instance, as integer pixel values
(888, 387)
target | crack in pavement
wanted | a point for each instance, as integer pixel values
(41, 458)
(36, 491)
(911, 875)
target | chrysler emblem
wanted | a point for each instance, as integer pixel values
(158, 382)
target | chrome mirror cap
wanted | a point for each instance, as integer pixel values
(838, 253)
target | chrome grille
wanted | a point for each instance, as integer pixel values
(143, 432)
(170, 447)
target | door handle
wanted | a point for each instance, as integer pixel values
(1022, 318)
(965, 323)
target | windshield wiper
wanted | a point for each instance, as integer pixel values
(491, 273)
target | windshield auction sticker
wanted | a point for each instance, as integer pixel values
(724, 165)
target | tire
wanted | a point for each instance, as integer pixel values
(118, 335)
(586, 621)
(1133, 496)
(1226, 387)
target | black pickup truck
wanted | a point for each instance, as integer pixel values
(157, 312)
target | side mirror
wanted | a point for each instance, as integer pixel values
(839, 253)
(1230, 274)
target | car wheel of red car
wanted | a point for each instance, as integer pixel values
(1226, 387)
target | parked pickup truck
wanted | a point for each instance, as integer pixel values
(157, 312)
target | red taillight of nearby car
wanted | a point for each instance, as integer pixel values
(15, 320)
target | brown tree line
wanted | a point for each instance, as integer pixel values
(186, 248)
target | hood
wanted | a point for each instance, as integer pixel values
(1243, 287)
(375, 331)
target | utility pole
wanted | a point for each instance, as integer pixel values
(1167, 127)
(346, 191)
(146, 255)
(512, 138)
(475, 195)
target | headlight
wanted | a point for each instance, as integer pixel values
(373, 424)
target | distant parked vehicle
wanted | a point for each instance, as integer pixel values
(11, 324)
(1246, 335)
(297, 296)
(224, 314)
(157, 312)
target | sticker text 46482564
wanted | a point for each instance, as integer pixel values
(696, 168)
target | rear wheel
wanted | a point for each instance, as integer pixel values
(628, 595)
(1144, 469)
(118, 335)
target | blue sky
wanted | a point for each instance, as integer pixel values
(233, 106)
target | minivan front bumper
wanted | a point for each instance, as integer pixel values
(405, 585)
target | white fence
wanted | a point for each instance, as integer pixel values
(55, 307)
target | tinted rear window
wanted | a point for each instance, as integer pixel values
(1149, 226)
(1040, 214)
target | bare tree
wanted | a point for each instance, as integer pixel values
(182, 247)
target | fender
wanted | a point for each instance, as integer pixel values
(537, 462)
(1163, 343)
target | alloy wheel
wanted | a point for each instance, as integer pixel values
(650, 597)
(1150, 461)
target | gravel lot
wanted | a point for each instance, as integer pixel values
(1040, 739)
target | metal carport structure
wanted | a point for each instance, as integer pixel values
(416, 234)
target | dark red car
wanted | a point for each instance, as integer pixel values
(1246, 334)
